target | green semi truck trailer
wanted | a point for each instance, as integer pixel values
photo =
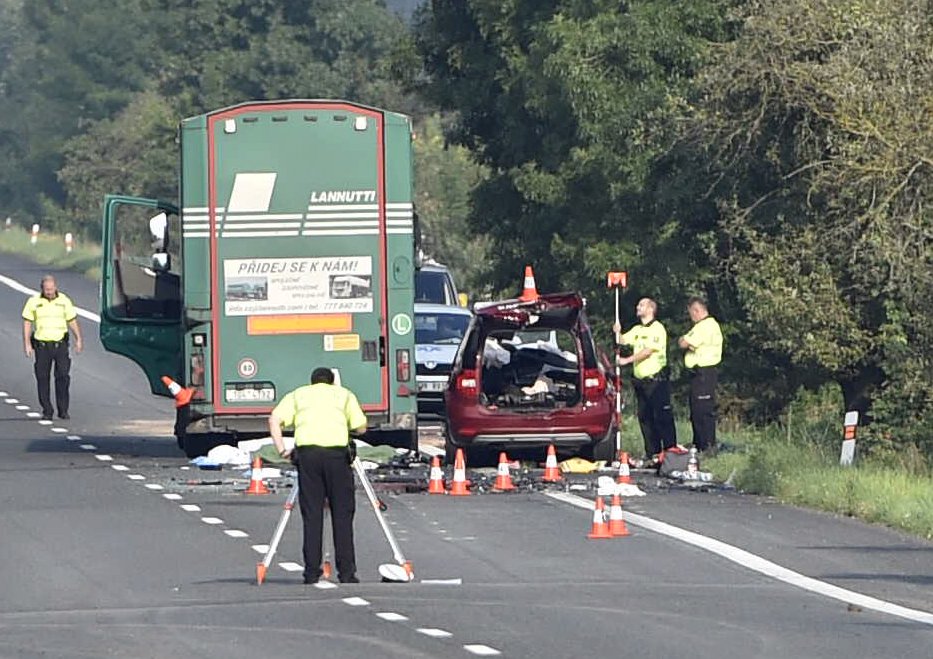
(293, 246)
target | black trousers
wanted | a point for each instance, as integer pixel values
(48, 353)
(655, 414)
(703, 406)
(326, 473)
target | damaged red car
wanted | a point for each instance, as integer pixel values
(528, 374)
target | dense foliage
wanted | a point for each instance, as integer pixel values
(773, 155)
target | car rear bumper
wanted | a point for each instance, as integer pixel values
(567, 427)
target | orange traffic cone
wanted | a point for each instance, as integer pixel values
(503, 478)
(260, 573)
(436, 483)
(600, 529)
(625, 475)
(459, 486)
(617, 527)
(326, 570)
(529, 289)
(551, 472)
(256, 486)
(182, 395)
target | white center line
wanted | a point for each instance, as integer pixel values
(481, 650)
(103, 457)
(355, 601)
(190, 508)
(757, 563)
(391, 616)
(289, 566)
(172, 496)
(236, 533)
(212, 520)
(433, 632)
(119, 467)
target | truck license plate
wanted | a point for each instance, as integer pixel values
(250, 395)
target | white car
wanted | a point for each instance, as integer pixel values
(439, 329)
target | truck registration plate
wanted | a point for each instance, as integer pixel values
(266, 395)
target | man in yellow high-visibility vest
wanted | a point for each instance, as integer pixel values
(703, 352)
(323, 414)
(47, 319)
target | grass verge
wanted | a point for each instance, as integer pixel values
(50, 250)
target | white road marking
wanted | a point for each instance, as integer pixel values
(289, 566)
(22, 408)
(70, 438)
(59, 429)
(103, 458)
(45, 422)
(355, 601)
(119, 467)
(16, 286)
(171, 496)
(261, 549)
(4, 394)
(236, 533)
(481, 650)
(212, 520)
(433, 632)
(136, 477)
(33, 415)
(88, 447)
(190, 508)
(757, 563)
(391, 617)
(12, 401)
(155, 487)
(444, 582)
(325, 585)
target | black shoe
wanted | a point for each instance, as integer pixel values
(311, 580)
(351, 579)
(63, 415)
(46, 416)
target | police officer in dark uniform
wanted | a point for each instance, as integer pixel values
(323, 414)
(47, 319)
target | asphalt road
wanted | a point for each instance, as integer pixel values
(99, 562)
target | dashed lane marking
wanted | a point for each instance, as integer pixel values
(73, 438)
(325, 585)
(481, 650)
(119, 467)
(260, 549)
(136, 477)
(171, 496)
(190, 508)
(434, 632)
(88, 447)
(155, 487)
(12, 401)
(45, 422)
(757, 563)
(355, 601)
(22, 408)
(103, 458)
(213, 521)
(391, 616)
(289, 566)
(4, 394)
(33, 415)
(59, 430)
(236, 533)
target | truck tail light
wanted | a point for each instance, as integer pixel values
(403, 365)
(594, 384)
(196, 374)
(465, 382)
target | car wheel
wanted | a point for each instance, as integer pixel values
(605, 449)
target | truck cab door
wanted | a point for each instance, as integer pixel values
(141, 306)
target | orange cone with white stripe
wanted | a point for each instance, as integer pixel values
(503, 478)
(600, 529)
(256, 486)
(617, 527)
(182, 395)
(625, 475)
(529, 289)
(459, 487)
(436, 482)
(551, 472)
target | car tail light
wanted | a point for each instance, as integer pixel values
(594, 384)
(403, 365)
(465, 382)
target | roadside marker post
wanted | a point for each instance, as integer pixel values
(69, 242)
(34, 238)
(618, 281)
(847, 454)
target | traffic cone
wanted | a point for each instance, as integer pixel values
(182, 395)
(436, 483)
(326, 570)
(260, 573)
(617, 527)
(459, 487)
(600, 529)
(503, 478)
(529, 289)
(256, 486)
(625, 475)
(551, 472)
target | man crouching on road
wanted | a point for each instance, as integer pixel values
(323, 414)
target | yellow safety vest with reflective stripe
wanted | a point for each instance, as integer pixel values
(706, 338)
(654, 337)
(49, 318)
(321, 414)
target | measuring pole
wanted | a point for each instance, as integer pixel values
(617, 280)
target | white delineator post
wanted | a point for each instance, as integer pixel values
(69, 242)
(847, 454)
(35, 234)
(617, 280)
(9, 224)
